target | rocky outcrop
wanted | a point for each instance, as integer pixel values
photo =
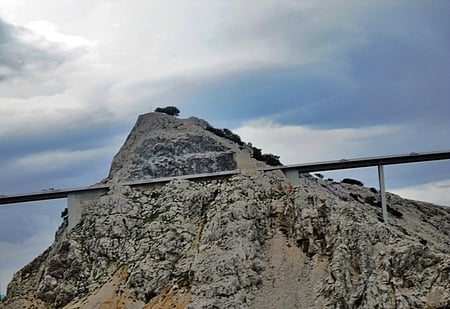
(161, 145)
(247, 241)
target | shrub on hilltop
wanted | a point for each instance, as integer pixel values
(169, 110)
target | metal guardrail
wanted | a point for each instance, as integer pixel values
(293, 170)
(289, 170)
(49, 194)
(365, 162)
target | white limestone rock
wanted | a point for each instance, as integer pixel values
(247, 241)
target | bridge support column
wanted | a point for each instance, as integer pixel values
(293, 176)
(74, 209)
(78, 202)
(382, 193)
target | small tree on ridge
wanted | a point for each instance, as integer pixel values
(169, 110)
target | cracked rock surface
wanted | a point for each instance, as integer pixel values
(246, 241)
(160, 146)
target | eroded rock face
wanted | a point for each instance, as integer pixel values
(247, 241)
(160, 145)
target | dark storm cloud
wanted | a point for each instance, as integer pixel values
(84, 137)
(389, 67)
(70, 157)
(22, 51)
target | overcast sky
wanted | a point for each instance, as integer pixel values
(307, 80)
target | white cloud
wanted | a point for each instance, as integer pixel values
(138, 41)
(50, 33)
(299, 144)
(122, 56)
(56, 159)
(302, 144)
(42, 113)
(434, 192)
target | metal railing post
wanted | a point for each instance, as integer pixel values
(382, 193)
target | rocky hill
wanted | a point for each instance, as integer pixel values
(247, 241)
(161, 145)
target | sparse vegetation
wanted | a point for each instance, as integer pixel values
(268, 158)
(169, 110)
(226, 133)
(151, 218)
(65, 214)
(271, 159)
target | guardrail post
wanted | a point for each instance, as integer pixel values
(382, 193)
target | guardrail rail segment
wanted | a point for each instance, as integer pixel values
(291, 171)
(49, 194)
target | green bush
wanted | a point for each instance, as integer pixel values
(151, 218)
(226, 133)
(269, 158)
(169, 110)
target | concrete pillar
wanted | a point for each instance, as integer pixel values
(74, 209)
(382, 193)
(292, 175)
(78, 202)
